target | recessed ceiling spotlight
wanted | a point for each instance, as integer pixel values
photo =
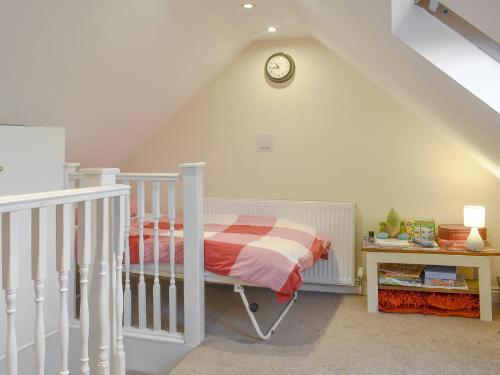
(247, 5)
(272, 29)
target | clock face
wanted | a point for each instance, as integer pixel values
(280, 67)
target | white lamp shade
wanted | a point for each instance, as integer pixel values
(474, 216)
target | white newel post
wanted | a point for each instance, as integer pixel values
(194, 259)
(101, 275)
(68, 169)
(98, 176)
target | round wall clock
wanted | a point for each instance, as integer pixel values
(280, 67)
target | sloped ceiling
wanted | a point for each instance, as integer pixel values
(360, 31)
(113, 72)
(254, 22)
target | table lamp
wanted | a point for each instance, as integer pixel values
(474, 218)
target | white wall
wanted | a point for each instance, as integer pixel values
(33, 159)
(360, 32)
(338, 137)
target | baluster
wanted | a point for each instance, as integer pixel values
(127, 295)
(156, 285)
(142, 283)
(72, 265)
(63, 248)
(39, 231)
(84, 243)
(119, 239)
(102, 257)
(10, 283)
(172, 290)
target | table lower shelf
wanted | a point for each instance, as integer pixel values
(473, 288)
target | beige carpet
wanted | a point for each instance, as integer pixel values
(333, 334)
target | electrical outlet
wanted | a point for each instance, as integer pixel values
(265, 142)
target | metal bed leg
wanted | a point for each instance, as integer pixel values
(251, 309)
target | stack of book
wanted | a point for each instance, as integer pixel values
(443, 277)
(400, 274)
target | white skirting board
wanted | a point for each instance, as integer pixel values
(334, 219)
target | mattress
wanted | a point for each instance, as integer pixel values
(258, 250)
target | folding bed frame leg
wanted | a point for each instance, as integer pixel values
(251, 309)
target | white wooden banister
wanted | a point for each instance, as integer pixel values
(12, 210)
(148, 176)
(191, 179)
(155, 180)
(11, 203)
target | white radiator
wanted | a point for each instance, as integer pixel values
(334, 219)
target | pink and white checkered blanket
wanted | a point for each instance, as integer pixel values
(267, 251)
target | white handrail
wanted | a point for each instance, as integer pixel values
(142, 176)
(148, 176)
(10, 203)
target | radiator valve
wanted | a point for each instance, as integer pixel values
(360, 275)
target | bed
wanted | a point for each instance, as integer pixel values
(241, 250)
(246, 243)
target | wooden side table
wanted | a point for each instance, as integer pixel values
(480, 259)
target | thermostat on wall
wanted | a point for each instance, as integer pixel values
(265, 142)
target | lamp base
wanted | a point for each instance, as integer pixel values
(474, 241)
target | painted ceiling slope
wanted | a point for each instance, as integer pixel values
(360, 31)
(114, 72)
(111, 72)
(253, 23)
